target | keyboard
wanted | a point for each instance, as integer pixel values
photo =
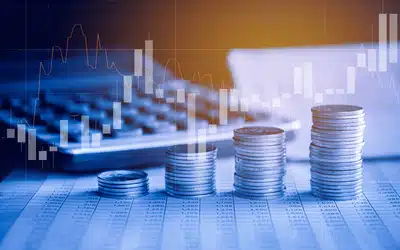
(73, 127)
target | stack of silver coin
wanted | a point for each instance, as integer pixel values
(337, 141)
(123, 183)
(260, 162)
(190, 171)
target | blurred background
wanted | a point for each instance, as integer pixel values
(191, 37)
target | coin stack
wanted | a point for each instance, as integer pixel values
(123, 183)
(337, 140)
(260, 162)
(190, 171)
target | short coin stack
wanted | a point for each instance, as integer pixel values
(123, 183)
(337, 140)
(190, 171)
(260, 162)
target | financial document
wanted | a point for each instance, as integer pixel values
(48, 210)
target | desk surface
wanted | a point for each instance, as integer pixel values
(62, 211)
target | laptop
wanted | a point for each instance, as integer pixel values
(295, 79)
(83, 115)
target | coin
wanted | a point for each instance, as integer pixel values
(190, 170)
(123, 177)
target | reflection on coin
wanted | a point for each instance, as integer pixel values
(122, 177)
(190, 170)
(123, 183)
(337, 140)
(260, 162)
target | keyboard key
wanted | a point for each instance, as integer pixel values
(129, 114)
(78, 109)
(199, 124)
(175, 116)
(160, 110)
(144, 119)
(159, 127)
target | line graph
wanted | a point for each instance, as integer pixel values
(111, 65)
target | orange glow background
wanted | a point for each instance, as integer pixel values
(196, 33)
(203, 31)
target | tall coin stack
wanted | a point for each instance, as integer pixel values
(337, 140)
(260, 162)
(123, 183)
(190, 171)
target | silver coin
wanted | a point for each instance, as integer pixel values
(317, 148)
(330, 144)
(326, 183)
(335, 152)
(266, 186)
(121, 191)
(123, 177)
(190, 175)
(360, 119)
(184, 150)
(343, 136)
(343, 127)
(337, 138)
(192, 158)
(190, 193)
(190, 181)
(123, 186)
(353, 193)
(337, 131)
(341, 164)
(338, 172)
(261, 146)
(252, 185)
(334, 167)
(332, 156)
(266, 158)
(337, 109)
(337, 178)
(249, 162)
(324, 121)
(122, 194)
(191, 167)
(257, 131)
(271, 196)
(338, 117)
(267, 170)
(190, 188)
(262, 175)
(332, 160)
(190, 184)
(193, 179)
(337, 198)
(335, 158)
(259, 190)
(337, 190)
(259, 151)
(174, 195)
(266, 181)
(105, 184)
(260, 157)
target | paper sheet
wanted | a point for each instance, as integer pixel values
(42, 210)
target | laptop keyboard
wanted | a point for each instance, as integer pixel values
(147, 118)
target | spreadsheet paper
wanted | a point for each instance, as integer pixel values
(46, 210)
